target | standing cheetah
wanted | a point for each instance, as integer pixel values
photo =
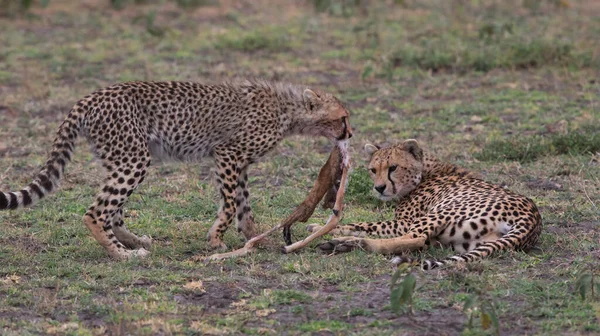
(439, 202)
(234, 123)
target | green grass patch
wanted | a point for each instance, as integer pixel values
(436, 55)
(290, 296)
(360, 187)
(527, 149)
(316, 326)
(271, 39)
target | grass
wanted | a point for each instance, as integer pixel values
(508, 89)
(526, 149)
(270, 38)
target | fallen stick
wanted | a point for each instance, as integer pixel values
(338, 158)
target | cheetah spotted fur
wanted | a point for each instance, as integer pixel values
(442, 203)
(129, 123)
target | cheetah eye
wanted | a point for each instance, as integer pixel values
(392, 168)
(373, 170)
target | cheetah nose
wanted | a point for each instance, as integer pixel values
(380, 188)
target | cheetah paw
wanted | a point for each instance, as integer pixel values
(341, 245)
(146, 242)
(217, 245)
(130, 254)
(140, 253)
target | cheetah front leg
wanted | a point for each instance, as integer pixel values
(244, 217)
(421, 230)
(227, 173)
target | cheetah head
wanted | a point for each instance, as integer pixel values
(327, 115)
(395, 170)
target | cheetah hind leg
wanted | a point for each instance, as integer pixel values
(100, 225)
(103, 217)
(244, 216)
(128, 238)
(227, 173)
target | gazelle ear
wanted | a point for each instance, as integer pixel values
(370, 149)
(412, 146)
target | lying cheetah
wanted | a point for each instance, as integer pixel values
(439, 202)
(234, 123)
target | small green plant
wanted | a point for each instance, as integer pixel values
(290, 296)
(186, 4)
(586, 285)
(337, 7)
(271, 39)
(316, 326)
(195, 3)
(402, 290)
(12, 7)
(118, 4)
(478, 304)
(149, 21)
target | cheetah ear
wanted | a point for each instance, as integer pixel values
(310, 95)
(412, 146)
(371, 149)
(311, 99)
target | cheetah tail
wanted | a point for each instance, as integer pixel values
(46, 180)
(516, 238)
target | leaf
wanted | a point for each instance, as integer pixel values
(25, 4)
(408, 289)
(583, 284)
(395, 298)
(117, 4)
(397, 274)
(486, 320)
(495, 322)
(491, 311)
(367, 71)
(470, 303)
(470, 323)
(402, 291)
